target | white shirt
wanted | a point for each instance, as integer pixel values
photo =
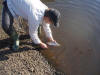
(33, 11)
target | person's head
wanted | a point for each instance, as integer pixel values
(52, 16)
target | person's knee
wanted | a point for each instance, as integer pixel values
(7, 24)
(7, 20)
(4, 26)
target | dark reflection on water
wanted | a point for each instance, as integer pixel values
(79, 35)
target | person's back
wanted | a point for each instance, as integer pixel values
(25, 7)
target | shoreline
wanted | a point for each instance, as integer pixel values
(26, 61)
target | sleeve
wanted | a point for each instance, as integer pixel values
(33, 29)
(47, 30)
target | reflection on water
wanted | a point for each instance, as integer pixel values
(79, 36)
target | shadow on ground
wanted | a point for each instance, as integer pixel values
(5, 50)
(25, 45)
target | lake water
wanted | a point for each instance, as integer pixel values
(79, 36)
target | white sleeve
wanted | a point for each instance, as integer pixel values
(47, 30)
(34, 35)
(33, 30)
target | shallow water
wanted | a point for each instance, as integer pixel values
(79, 36)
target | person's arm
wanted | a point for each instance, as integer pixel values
(36, 39)
(48, 32)
(34, 35)
(49, 36)
(33, 32)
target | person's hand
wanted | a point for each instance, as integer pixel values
(43, 45)
(52, 42)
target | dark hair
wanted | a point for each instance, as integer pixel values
(54, 15)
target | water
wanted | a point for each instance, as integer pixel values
(79, 36)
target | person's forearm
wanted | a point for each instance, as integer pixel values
(34, 37)
(48, 32)
(50, 39)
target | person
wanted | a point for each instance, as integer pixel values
(35, 12)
